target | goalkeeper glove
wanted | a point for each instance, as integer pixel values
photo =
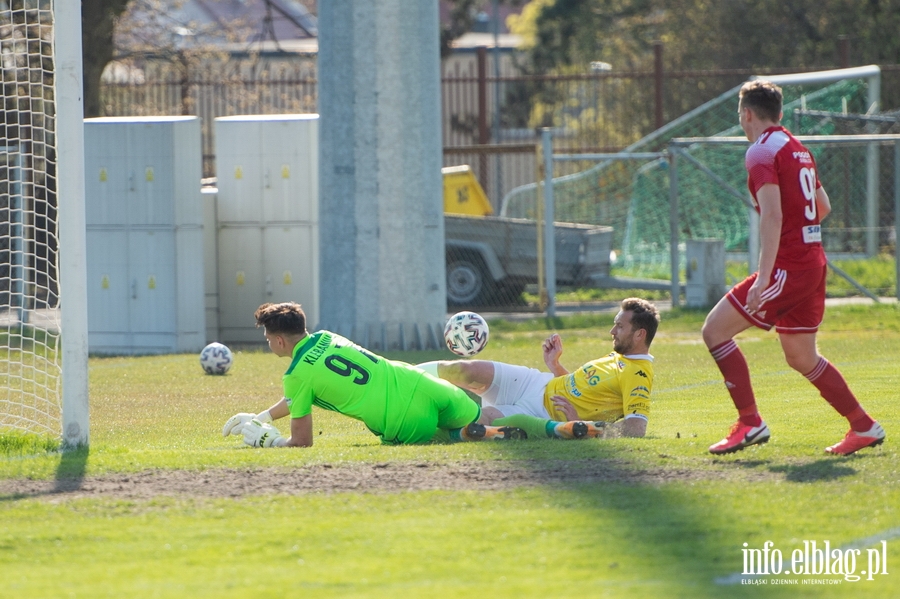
(237, 422)
(258, 434)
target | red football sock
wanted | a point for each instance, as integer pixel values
(831, 384)
(733, 365)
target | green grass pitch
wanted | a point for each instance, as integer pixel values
(163, 506)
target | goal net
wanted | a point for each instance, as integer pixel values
(32, 379)
(633, 196)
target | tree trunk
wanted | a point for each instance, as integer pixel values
(98, 19)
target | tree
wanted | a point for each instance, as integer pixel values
(98, 19)
(566, 36)
(130, 31)
(704, 35)
(462, 17)
(567, 33)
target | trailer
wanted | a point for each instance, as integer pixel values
(490, 259)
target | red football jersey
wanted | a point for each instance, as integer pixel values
(778, 157)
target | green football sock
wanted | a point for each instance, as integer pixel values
(444, 436)
(534, 426)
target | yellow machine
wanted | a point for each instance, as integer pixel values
(463, 193)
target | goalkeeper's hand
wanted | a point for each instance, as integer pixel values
(258, 434)
(237, 422)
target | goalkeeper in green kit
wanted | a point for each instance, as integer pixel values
(396, 401)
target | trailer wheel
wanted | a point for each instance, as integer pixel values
(465, 281)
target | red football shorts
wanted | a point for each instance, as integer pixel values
(794, 301)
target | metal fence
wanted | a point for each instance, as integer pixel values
(491, 120)
(862, 173)
(594, 111)
(697, 192)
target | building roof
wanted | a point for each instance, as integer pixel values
(159, 24)
(263, 25)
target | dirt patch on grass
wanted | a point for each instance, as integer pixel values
(388, 477)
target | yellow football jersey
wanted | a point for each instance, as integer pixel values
(605, 389)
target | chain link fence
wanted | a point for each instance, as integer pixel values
(612, 216)
(861, 174)
(694, 188)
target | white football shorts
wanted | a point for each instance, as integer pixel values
(517, 390)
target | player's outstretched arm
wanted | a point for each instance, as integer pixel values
(258, 434)
(301, 432)
(235, 424)
(279, 410)
(553, 349)
(565, 406)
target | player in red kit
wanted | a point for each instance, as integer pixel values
(788, 290)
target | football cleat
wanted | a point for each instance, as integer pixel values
(579, 429)
(480, 432)
(855, 441)
(741, 436)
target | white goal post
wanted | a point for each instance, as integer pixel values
(43, 296)
(73, 250)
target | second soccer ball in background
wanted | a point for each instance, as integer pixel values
(216, 358)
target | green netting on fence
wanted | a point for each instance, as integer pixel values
(632, 196)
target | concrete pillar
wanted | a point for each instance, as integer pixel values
(381, 208)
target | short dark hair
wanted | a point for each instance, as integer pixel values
(644, 315)
(287, 318)
(763, 97)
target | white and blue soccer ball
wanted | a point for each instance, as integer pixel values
(216, 358)
(466, 334)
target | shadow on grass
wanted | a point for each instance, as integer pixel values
(71, 468)
(70, 472)
(747, 463)
(685, 528)
(820, 470)
(672, 528)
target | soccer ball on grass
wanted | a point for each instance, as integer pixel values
(466, 334)
(216, 358)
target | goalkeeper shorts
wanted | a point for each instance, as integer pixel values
(435, 404)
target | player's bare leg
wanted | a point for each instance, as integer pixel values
(722, 324)
(801, 355)
(489, 414)
(800, 351)
(472, 375)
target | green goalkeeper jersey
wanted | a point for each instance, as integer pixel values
(334, 373)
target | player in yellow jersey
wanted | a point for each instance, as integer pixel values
(569, 404)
